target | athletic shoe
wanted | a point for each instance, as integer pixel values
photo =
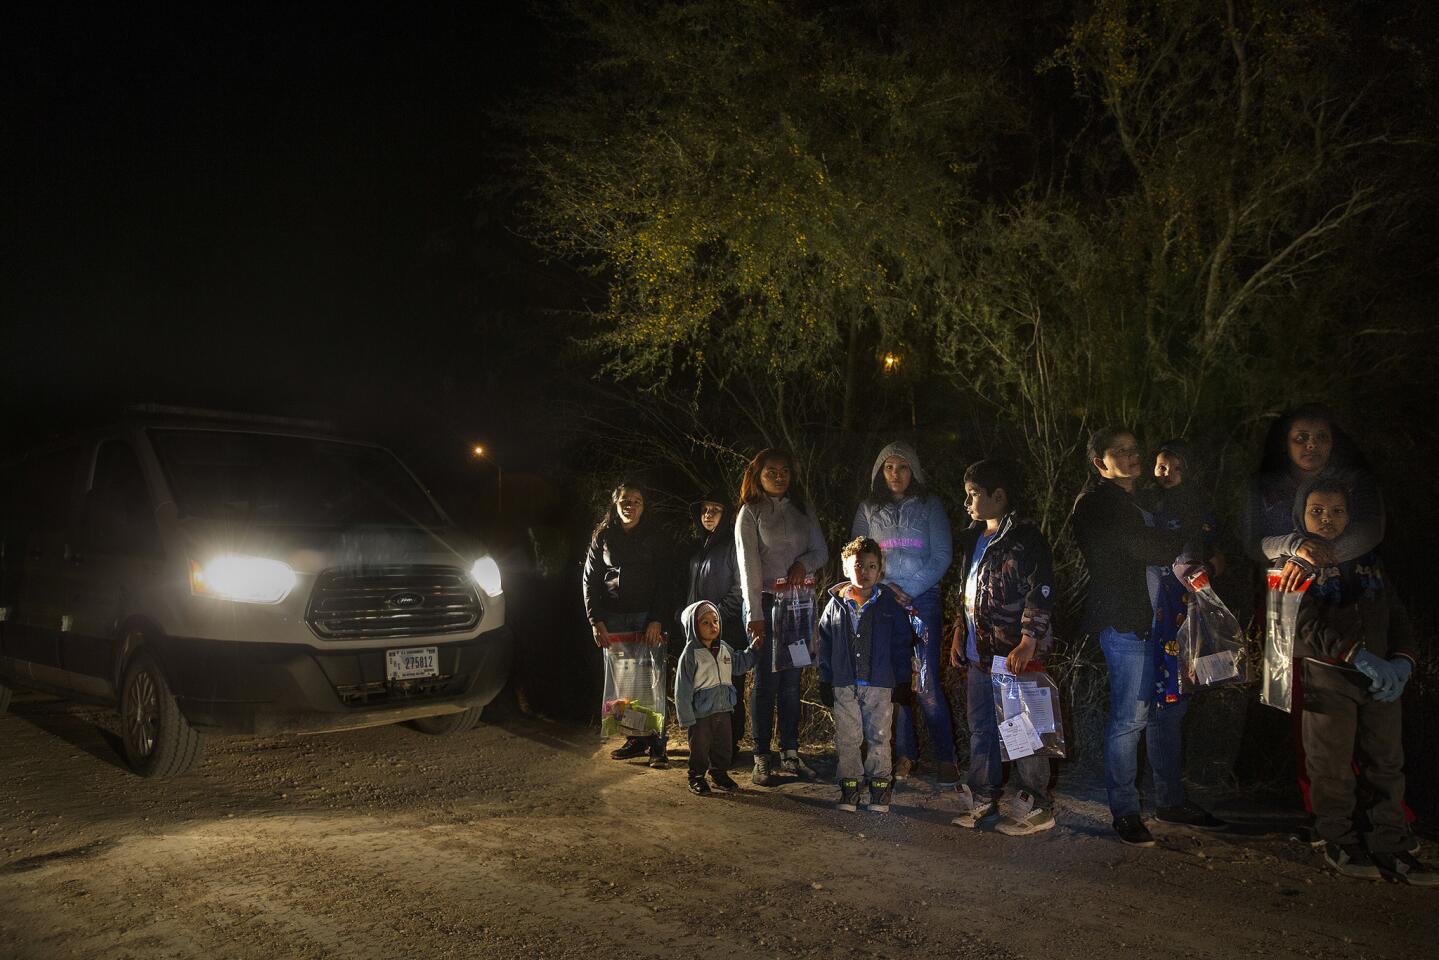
(976, 816)
(947, 774)
(903, 767)
(1351, 860)
(790, 763)
(849, 795)
(1189, 814)
(1406, 868)
(1131, 830)
(633, 747)
(880, 793)
(723, 780)
(698, 787)
(659, 759)
(1027, 817)
(760, 777)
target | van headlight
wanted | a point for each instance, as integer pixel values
(243, 579)
(486, 573)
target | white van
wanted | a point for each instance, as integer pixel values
(211, 573)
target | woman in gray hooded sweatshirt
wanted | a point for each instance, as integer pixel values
(912, 528)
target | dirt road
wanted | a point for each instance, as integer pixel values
(520, 839)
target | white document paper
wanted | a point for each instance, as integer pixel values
(1214, 668)
(799, 655)
(1020, 738)
(1038, 706)
(1000, 666)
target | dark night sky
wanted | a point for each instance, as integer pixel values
(260, 208)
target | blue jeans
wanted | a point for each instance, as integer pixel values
(931, 700)
(768, 687)
(985, 759)
(1132, 711)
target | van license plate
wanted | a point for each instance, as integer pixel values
(412, 663)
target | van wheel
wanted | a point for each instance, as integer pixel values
(449, 723)
(159, 741)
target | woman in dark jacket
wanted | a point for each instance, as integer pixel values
(714, 576)
(1118, 547)
(625, 589)
(1303, 445)
(1306, 445)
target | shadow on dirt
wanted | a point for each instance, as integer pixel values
(65, 721)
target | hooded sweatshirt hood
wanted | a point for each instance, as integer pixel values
(690, 615)
(898, 449)
(697, 507)
(1301, 497)
(913, 531)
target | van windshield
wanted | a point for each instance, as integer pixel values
(267, 478)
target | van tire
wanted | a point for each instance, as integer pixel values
(159, 741)
(448, 723)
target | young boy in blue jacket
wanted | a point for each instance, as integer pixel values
(866, 642)
(705, 695)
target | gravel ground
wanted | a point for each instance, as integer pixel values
(522, 838)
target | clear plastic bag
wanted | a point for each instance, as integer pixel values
(1211, 641)
(1027, 709)
(1281, 612)
(794, 624)
(635, 688)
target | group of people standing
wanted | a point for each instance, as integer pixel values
(881, 633)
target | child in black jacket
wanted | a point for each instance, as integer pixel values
(1353, 636)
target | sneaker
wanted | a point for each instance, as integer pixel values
(880, 792)
(659, 759)
(633, 747)
(723, 780)
(976, 816)
(903, 767)
(1406, 868)
(1189, 814)
(1351, 860)
(848, 796)
(1027, 817)
(699, 787)
(790, 763)
(760, 777)
(1131, 830)
(947, 774)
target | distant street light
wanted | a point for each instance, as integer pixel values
(891, 363)
(480, 453)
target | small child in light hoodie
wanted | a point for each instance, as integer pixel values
(705, 694)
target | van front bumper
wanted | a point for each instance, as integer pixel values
(231, 687)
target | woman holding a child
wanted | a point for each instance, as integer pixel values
(1118, 547)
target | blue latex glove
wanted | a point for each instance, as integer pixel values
(1402, 669)
(1382, 679)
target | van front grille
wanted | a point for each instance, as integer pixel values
(397, 601)
(379, 691)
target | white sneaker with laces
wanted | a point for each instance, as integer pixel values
(973, 816)
(1025, 817)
